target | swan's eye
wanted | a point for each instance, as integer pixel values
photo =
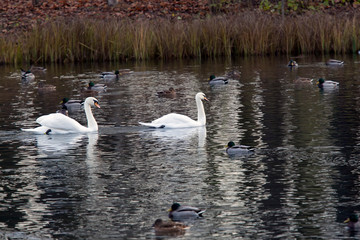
(96, 104)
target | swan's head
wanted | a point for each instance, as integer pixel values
(92, 102)
(201, 96)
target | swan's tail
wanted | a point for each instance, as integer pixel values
(38, 130)
(152, 125)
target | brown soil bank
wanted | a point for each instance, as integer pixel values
(84, 30)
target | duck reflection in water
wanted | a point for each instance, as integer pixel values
(181, 135)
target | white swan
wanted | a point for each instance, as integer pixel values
(174, 120)
(57, 123)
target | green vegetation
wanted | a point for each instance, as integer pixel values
(249, 33)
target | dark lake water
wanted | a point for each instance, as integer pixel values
(302, 182)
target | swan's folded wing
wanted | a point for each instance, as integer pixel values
(172, 120)
(152, 125)
(59, 121)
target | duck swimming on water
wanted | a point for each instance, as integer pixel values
(178, 212)
(218, 80)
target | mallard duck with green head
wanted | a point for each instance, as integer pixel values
(27, 75)
(71, 102)
(353, 222)
(233, 149)
(327, 84)
(110, 75)
(178, 212)
(96, 87)
(71, 105)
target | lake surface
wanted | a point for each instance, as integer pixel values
(302, 181)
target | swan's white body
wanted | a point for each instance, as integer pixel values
(57, 123)
(174, 120)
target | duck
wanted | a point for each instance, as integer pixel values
(96, 87)
(334, 62)
(353, 222)
(27, 75)
(233, 149)
(73, 102)
(57, 123)
(71, 105)
(328, 84)
(218, 80)
(169, 228)
(171, 93)
(110, 75)
(179, 212)
(175, 120)
(292, 63)
(43, 87)
(303, 80)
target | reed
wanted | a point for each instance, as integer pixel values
(250, 33)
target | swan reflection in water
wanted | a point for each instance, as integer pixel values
(179, 134)
(61, 144)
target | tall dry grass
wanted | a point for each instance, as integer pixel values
(250, 33)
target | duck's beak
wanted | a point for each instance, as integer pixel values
(169, 210)
(97, 104)
(347, 220)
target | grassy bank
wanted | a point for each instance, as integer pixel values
(250, 33)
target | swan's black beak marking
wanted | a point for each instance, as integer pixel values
(96, 104)
(48, 132)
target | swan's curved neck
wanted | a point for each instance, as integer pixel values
(201, 112)
(92, 124)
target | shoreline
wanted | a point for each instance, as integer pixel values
(85, 38)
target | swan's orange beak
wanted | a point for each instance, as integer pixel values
(206, 99)
(97, 104)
